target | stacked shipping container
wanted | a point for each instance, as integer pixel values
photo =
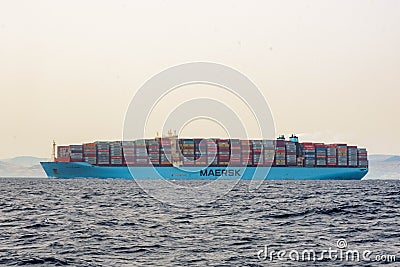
(257, 150)
(236, 152)
(153, 150)
(320, 155)
(362, 157)
(186, 147)
(165, 151)
(141, 157)
(116, 157)
(308, 151)
(76, 153)
(331, 155)
(280, 153)
(341, 151)
(269, 152)
(246, 152)
(223, 153)
(90, 153)
(200, 152)
(212, 150)
(291, 159)
(128, 149)
(63, 154)
(352, 156)
(103, 153)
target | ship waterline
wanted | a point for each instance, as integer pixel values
(85, 170)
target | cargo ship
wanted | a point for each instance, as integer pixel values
(213, 158)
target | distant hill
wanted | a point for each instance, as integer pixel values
(384, 167)
(379, 157)
(26, 161)
(393, 159)
(24, 166)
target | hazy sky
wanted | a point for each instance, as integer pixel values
(330, 70)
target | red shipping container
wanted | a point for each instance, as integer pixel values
(65, 160)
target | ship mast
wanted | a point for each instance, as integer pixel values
(53, 154)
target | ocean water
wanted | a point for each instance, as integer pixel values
(91, 222)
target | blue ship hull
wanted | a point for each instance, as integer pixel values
(85, 170)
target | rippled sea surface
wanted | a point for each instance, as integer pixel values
(91, 222)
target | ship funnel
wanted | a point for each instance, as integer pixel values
(294, 139)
